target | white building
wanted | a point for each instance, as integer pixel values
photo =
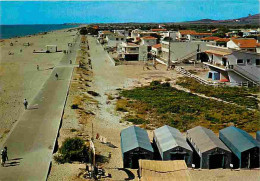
(156, 50)
(233, 65)
(113, 40)
(121, 32)
(248, 44)
(148, 41)
(128, 51)
(191, 35)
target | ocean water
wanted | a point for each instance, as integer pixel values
(10, 31)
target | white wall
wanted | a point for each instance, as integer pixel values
(143, 50)
(231, 44)
(148, 42)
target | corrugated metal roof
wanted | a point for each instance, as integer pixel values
(134, 137)
(237, 139)
(169, 137)
(205, 139)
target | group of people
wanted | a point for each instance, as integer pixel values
(4, 156)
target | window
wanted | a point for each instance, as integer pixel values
(257, 62)
(240, 61)
(116, 39)
(122, 38)
(248, 61)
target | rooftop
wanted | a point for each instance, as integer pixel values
(238, 138)
(158, 29)
(217, 52)
(149, 38)
(134, 137)
(210, 38)
(205, 139)
(245, 42)
(157, 46)
(169, 137)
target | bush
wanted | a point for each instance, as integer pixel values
(166, 84)
(74, 106)
(72, 149)
(155, 83)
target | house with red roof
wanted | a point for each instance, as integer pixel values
(191, 35)
(156, 50)
(248, 44)
(148, 41)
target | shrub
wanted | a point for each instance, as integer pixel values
(73, 130)
(72, 149)
(74, 106)
(166, 84)
(155, 83)
(121, 105)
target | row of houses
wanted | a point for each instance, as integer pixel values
(232, 60)
(201, 148)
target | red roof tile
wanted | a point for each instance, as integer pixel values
(158, 29)
(157, 46)
(245, 43)
(149, 38)
(213, 38)
(223, 40)
(187, 32)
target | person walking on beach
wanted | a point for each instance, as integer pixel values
(4, 156)
(57, 76)
(38, 67)
(25, 103)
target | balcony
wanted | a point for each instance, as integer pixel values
(217, 65)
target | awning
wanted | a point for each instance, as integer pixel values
(216, 52)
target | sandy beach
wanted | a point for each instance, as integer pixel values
(19, 77)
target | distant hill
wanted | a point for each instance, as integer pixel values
(251, 19)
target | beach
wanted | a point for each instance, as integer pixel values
(19, 77)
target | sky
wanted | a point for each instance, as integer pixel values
(119, 11)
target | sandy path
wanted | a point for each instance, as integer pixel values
(19, 77)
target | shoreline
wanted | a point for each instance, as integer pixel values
(40, 32)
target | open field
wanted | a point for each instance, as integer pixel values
(240, 95)
(160, 104)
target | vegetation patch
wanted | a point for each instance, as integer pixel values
(239, 95)
(72, 149)
(160, 104)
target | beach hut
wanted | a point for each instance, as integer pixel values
(172, 145)
(258, 136)
(209, 151)
(243, 145)
(135, 145)
(214, 75)
(51, 48)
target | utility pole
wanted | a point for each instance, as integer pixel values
(169, 55)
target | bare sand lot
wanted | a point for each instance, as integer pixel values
(19, 77)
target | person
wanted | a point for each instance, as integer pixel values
(25, 103)
(4, 156)
(38, 68)
(57, 76)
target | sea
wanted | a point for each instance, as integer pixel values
(10, 31)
